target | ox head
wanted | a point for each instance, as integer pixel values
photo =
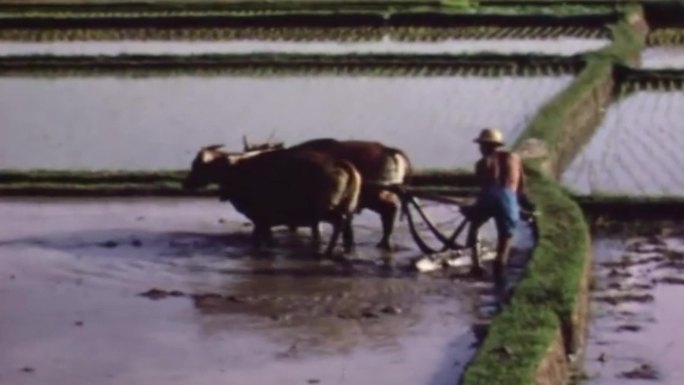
(213, 166)
(209, 165)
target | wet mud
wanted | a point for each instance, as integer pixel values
(635, 331)
(169, 291)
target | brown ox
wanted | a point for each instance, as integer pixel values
(378, 165)
(283, 187)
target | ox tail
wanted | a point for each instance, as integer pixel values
(401, 168)
(402, 171)
(350, 201)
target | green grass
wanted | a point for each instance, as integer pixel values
(559, 259)
(515, 343)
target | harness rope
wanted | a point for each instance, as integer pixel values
(408, 201)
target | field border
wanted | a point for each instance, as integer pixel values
(281, 19)
(533, 340)
(82, 183)
(388, 8)
(479, 64)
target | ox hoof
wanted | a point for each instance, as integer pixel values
(384, 245)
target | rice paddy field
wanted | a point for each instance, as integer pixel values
(166, 290)
(636, 150)
(160, 123)
(638, 279)
(565, 46)
(665, 50)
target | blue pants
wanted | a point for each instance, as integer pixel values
(500, 204)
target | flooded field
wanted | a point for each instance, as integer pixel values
(168, 292)
(160, 123)
(663, 57)
(560, 46)
(635, 333)
(636, 150)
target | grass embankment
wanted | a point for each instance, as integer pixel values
(551, 292)
(169, 183)
(520, 336)
(298, 20)
(492, 65)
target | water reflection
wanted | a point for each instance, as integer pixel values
(160, 123)
(563, 46)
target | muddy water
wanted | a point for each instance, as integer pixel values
(71, 275)
(663, 57)
(561, 46)
(635, 333)
(636, 150)
(160, 123)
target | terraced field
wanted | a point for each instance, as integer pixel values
(636, 150)
(124, 87)
(560, 46)
(159, 123)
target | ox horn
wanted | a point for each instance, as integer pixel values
(213, 147)
(245, 143)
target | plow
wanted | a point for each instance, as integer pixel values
(448, 250)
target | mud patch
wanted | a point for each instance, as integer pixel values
(193, 303)
(617, 299)
(628, 328)
(634, 333)
(642, 372)
(671, 280)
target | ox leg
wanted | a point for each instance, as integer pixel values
(315, 232)
(348, 235)
(257, 235)
(262, 235)
(386, 204)
(337, 224)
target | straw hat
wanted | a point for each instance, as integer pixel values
(490, 135)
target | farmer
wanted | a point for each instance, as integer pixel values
(501, 179)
